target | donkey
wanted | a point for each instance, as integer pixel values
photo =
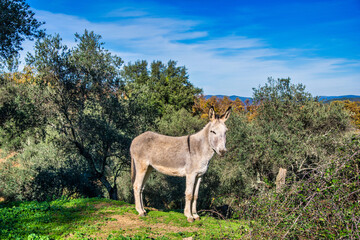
(187, 156)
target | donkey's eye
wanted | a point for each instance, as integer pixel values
(213, 132)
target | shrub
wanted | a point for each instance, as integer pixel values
(325, 204)
(43, 172)
(179, 123)
(291, 130)
(21, 114)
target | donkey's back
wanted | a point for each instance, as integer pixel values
(166, 154)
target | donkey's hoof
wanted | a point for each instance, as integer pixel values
(142, 214)
(190, 219)
(196, 218)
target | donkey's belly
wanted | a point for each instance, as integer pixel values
(179, 172)
(169, 162)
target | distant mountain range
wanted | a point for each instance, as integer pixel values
(321, 98)
(232, 97)
(339, 98)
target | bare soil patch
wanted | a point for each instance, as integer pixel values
(2, 160)
(129, 224)
(98, 206)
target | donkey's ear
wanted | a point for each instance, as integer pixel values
(212, 115)
(226, 115)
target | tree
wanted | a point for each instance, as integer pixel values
(90, 115)
(167, 84)
(288, 115)
(179, 123)
(17, 23)
(281, 90)
(21, 109)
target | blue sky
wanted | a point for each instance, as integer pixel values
(228, 47)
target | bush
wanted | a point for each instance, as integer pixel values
(291, 130)
(179, 123)
(21, 114)
(325, 204)
(43, 172)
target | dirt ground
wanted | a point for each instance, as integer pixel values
(130, 223)
(6, 157)
(2, 160)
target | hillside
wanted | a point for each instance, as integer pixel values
(321, 98)
(94, 218)
(339, 98)
(232, 97)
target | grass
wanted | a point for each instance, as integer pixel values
(95, 218)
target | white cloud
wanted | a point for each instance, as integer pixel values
(126, 12)
(223, 65)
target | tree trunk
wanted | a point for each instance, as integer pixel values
(113, 193)
(111, 190)
(280, 179)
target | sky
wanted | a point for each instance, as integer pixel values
(228, 47)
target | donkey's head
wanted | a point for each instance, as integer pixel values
(217, 131)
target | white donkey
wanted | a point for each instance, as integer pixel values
(187, 156)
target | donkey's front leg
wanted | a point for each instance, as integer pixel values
(189, 193)
(141, 176)
(196, 192)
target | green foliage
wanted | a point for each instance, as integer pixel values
(70, 124)
(78, 105)
(167, 84)
(42, 172)
(281, 90)
(96, 70)
(50, 60)
(324, 205)
(91, 117)
(291, 130)
(17, 24)
(21, 114)
(235, 172)
(164, 192)
(179, 123)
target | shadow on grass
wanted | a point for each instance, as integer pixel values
(173, 210)
(57, 218)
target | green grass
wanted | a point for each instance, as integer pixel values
(95, 218)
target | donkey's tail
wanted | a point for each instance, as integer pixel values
(133, 171)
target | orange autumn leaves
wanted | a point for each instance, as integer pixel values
(353, 108)
(202, 105)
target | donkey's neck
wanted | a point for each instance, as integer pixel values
(200, 143)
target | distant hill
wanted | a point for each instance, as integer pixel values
(232, 97)
(325, 99)
(339, 98)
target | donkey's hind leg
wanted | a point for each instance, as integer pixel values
(142, 171)
(147, 175)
